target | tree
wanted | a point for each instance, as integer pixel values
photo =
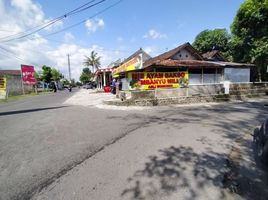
(86, 75)
(37, 75)
(46, 75)
(56, 75)
(217, 39)
(65, 82)
(250, 35)
(78, 83)
(73, 82)
(93, 61)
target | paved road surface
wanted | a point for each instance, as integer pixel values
(161, 153)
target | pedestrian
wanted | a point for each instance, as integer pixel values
(113, 86)
(54, 87)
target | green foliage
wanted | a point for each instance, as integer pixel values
(65, 82)
(73, 83)
(217, 39)
(56, 75)
(86, 75)
(250, 35)
(93, 60)
(46, 74)
(78, 83)
(38, 75)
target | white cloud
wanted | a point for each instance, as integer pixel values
(148, 50)
(151, 50)
(77, 56)
(93, 24)
(153, 34)
(68, 37)
(37, 50)
(119, 39)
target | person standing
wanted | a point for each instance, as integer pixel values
(113, 86)
(54, 86)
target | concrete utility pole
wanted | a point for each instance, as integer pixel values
(69, 67)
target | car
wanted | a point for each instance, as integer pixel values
(90, 85)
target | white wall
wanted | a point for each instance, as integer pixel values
(237, 75)
(183, 55)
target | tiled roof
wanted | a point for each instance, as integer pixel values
(169, 54)
(198, 63)
(145, 56)
(214, 55)
(10, 72)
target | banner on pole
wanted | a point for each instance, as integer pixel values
(28, 75)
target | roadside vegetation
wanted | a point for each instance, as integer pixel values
(248, 40)
(24, 96)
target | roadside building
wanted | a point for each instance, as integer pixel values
(134, 63)
(103, 77)
(14, 82)
(180, 67)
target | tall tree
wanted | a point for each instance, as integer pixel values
(93, 60)
(250, 35)
(56, 75)
(46, 75)
(217, 39)
(86, 75)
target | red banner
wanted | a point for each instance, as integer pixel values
(28, 75)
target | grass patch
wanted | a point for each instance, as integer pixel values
(17, 97)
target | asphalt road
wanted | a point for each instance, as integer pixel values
(43, 140)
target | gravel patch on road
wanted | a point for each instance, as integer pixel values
(92, 98)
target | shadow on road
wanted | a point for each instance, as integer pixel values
(177, 169)
(182, 171)
(29, 110)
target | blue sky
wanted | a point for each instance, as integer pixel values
(179, 20)
(154, 25)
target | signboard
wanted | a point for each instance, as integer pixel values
(153, 80)
(3, 87)
(133, 64)
(28, 75)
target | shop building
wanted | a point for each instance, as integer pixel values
(179, 67)
(103, 78)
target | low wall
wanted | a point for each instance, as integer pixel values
(207, 90)
(14, 86)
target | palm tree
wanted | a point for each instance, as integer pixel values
(93, 60)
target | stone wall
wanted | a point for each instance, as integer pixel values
(14, 86)
(193, 94)
(209, 89)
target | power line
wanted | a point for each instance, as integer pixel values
(53, 20)
(34, 30)
(83, 21)
(15, 56)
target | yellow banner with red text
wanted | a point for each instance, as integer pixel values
(3, 87)
(133, 64)
(153, 80)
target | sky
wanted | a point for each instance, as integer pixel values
(114, 29)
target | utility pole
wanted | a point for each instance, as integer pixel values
(69, 67)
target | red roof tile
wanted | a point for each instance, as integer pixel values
(214, 55)
(10, 72)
